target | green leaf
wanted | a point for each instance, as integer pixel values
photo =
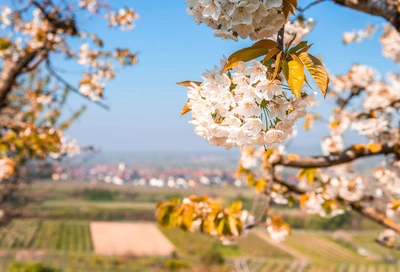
(301, 45)
(316, 70)
(305, 49)
(245, 54)
(285, 69)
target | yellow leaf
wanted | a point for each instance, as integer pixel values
(185, 109)
(288, 6)
(295, 77)
(374, 147)
(270, 54)
(260, 185)
(309, 174)
(388, 221)
(233, 226)
(293, 157)
(277, 62)
(395, 204)
(187, 83)
(245, 55)
(296, 58)
(267, 43)
(235, 206)
(316, 70)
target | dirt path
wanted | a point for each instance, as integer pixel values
(135, 239)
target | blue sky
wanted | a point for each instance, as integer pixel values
(145, 101)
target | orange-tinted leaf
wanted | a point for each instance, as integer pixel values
(245, 55)
(358, 148)
(316, 70)
(288, 7)
(185, 109)
(277, 64)
(293, 157)
(187, 83)
(267, 43)
(374, 147)
(270, 54)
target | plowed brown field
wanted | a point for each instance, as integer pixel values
(135, 239)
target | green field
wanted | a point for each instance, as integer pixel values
(56, 232)
(67, 245)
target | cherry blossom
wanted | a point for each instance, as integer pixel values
(245, 18)
(254, 112)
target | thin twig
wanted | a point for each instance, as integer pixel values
(72, 88)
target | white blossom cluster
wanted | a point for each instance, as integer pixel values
(321, 195)
(321, 204)
(380, 97)
(244, 108)
(91, 5)
(333, 143)
(278, 233)
(124, 18)
(322, 198)
(360, 34)
(388, 178)
(68, 148)
(37, 32)
(92, 84)
(391, 44)
(5, 17)
(388, 235)
(359, 76)
(256, 19)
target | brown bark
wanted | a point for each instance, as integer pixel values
(387, 9)
(348, 155)
(10, 72)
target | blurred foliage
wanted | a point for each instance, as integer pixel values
(175, 265)
(29, 267)
(212, 257)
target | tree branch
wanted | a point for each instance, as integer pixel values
(72, 88)
(375, 216)
(368, 212)
(387, 245)
(343, 102)
(348, 155)
(11, 71)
